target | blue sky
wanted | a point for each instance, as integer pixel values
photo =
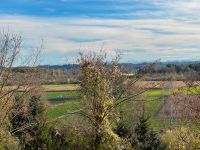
(141, 30)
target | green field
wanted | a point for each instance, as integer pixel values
(70, 102)
(49, 95)
(61, 97)
(63, 108)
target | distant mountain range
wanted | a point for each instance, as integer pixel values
(126, 65)
(62, 67)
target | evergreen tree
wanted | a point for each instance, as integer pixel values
(144, 137)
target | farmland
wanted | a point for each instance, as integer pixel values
(74, 110)
(62, 102)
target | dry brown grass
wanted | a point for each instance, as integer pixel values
(140, 84)
(50, 88)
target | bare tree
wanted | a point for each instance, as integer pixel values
(11, 82)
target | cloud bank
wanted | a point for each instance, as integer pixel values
(140, 30)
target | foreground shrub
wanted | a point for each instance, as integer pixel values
(181, 139)
(7, 141)
(25, 120)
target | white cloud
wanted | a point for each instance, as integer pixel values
(158, 38)
(182, 9)
(182, 5)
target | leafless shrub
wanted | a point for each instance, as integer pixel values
(10, 49)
